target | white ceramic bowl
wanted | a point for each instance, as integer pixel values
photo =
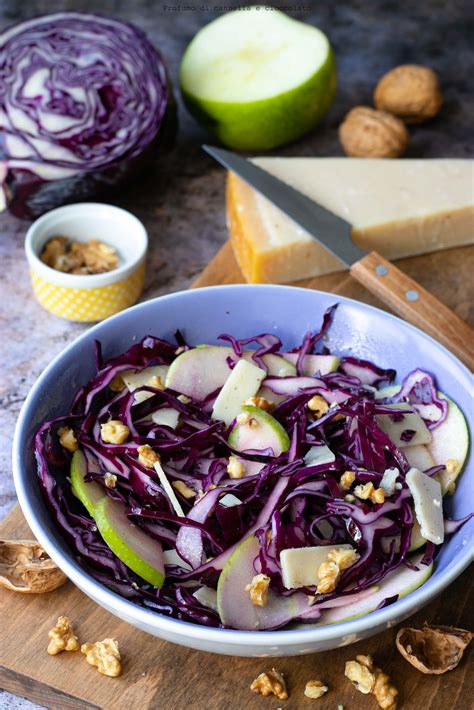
(203, 314)
(96, 296)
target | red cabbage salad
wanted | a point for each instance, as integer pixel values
(244, 486)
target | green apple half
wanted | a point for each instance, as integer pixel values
(258, 78)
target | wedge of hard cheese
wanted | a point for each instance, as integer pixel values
(397, 207)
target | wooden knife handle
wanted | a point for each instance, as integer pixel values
(411, 301)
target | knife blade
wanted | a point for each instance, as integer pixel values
(333, 232)
(397, 290)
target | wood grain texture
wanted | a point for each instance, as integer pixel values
(157, 674)
(408, 299)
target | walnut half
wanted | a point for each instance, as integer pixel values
(26, 567)
(433, 649)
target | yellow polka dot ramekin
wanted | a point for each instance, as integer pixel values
(96, 296)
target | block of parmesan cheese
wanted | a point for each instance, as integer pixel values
(397, 207)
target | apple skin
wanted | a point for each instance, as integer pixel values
(88, 493)
(132, 546)
(233, 600)
(269, 433)
(270, 122)
(388, 587)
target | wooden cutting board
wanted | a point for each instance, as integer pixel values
(158, 674)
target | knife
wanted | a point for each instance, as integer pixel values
(394, 288)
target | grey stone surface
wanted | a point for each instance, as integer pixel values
(182, 201)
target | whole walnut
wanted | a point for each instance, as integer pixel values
(411, 92)
(367, 133)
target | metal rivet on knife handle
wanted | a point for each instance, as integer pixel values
(412, 295)
(381, 270)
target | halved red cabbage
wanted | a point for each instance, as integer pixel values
(83, 104)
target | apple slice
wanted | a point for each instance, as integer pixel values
(233, 601)
(264, 432)
(204, 369)
(88, 492)
(312, 364)
(411, 422)
(417, 540)
(449, 440)
(450, 444)
(401, 581)
(131, 545)
(419, 457)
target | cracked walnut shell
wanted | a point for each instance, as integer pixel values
(411, 92)
(26, 567)
(433, 649)
(367, 133)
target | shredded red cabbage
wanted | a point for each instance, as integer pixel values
(286, 501)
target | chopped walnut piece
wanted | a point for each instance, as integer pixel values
(26, 567)
(318, 406)
(53, 250)
(110, 479)
(105, 655)
(97, 257)
(182, 488)
(315, 689)
(235, 468)
(146, 456)
(114, 432)
(360, 675)
(117, 384)
(271, 683)
(67, 439)
(367, 491)
(385, 693)
(328, 575)
(367, 678)
(347, 479)
(261, 403)
(156, 382)
(433, 649)
(343, 558)
(73, 257)
(62, 638)
(258, 589)
(330, 570)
